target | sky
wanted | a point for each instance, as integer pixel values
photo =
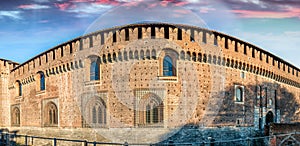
(30, 27)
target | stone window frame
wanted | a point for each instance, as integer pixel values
(15, 117)
(40, 82)
(88, 102)
(88, 78)
(50, 114)
(242, 88)
(96, 103)
(19, 89)
(143, 97)
(174, 57)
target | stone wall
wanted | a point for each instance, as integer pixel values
(210, 67)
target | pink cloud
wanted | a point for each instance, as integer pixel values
(181, 3)
(108, 2)
(206, 9)
(62, 6)
(294, 12)
(33, 6)
(81, 1)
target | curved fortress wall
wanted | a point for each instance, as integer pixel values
(110, 78)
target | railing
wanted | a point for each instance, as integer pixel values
(10, 138)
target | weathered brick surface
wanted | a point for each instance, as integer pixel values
(202, 92)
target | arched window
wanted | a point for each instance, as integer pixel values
(16, 116)
(94, 70)
(168, 67)
(98, 115)
(51, 114)
(239, 94)
(95, 112)
(152, 111)
(42, 81)
(19, 88)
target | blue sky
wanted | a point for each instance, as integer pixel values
(33, 26)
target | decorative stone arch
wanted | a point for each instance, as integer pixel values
(150, 110)
(136, 55)
(142, 54)
(120, 57)
(15, 115)
(153, 54)
(194, 56)
(94, 112)
(188, 55)
(50, 113)
(114, 57)
(148, 56)
(199, 57)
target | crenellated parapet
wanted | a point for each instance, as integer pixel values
(193, 41)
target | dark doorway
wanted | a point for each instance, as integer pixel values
(269, 120)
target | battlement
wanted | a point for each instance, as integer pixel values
(239, 50)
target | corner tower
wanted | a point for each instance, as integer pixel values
(5, 67)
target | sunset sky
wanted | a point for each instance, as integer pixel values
(29, 27)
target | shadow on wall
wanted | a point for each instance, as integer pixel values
(240, 119)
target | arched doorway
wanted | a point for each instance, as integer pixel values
(269, 118)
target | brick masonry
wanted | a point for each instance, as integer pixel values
(210, 67)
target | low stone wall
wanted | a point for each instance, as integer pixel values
(221, 136)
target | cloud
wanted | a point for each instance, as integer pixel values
(82, 8)
(266, 14)
(33, 7)
(265, 8)
(11, 14)
(62, 6)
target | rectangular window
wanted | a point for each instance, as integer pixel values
(245, 49)
(253, 52)
(239, 93)
(243, 75)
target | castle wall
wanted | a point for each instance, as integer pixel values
(210, 67)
